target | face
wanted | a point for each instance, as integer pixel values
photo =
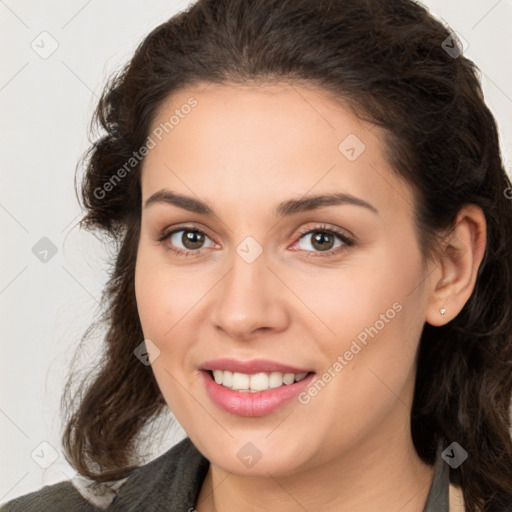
(334, 289)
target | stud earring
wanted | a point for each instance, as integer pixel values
(442, 311)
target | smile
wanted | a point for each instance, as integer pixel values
(251, 402)
(256, 382)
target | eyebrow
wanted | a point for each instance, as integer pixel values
(284, 209)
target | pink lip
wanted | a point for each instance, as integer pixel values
(253, 404)
(250, 367)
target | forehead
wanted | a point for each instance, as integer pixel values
(254, 113)
(273, 139)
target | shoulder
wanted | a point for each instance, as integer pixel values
(62, 496)
(171, 480)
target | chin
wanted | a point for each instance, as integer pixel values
(256, 456)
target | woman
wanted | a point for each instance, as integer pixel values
(370, 374)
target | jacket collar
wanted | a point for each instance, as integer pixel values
(172, 481)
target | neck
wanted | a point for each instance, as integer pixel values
(382, 473)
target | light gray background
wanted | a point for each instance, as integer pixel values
(46, 105)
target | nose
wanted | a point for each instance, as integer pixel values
(249, 300)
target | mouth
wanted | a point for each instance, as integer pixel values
(241, 399)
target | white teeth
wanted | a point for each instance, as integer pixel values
(227, 379)
(255, 382)
(288, 378)
(275, 380)
(217, 375)
(259, 382)
(240, 381)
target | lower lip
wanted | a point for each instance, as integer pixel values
(253, 404)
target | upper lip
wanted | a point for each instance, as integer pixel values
(251, 366)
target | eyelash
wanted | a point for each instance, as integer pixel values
(347, 242)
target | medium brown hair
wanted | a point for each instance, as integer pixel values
(387, 60)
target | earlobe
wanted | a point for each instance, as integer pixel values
(462, 254)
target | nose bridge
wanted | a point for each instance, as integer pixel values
(248, 297)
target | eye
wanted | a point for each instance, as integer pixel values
(323, 241)
(192, 240)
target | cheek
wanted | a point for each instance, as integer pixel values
(168, 301)
(162, 305)
(367, 290)
(149, 295)
(374, 320)
(161, 296)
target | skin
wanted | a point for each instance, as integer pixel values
(243, 150)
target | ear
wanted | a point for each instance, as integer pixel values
(455, 272)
